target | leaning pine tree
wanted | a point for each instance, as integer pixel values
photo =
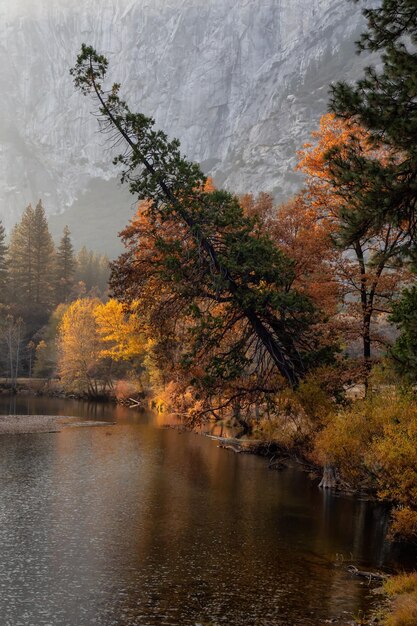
(231, 280)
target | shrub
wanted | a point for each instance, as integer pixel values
(374, 444)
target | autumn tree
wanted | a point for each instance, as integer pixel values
(118, 331)
(43, 366)
(186, 364)
(383, 102)
(369, 271)
(261, 207)
(298, 229)
(79, 349)
(228, 278)
(92, 338)
(373, 443)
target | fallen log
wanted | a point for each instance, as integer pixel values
(233, 440)
(234, 449)
(368, 575)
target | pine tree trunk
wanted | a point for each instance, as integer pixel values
(367, 350)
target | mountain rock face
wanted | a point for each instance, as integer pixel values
(241, 83)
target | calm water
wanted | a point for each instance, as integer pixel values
(138, 525)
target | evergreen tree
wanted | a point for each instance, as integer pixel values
(46, 345)
(3, 266)
(43, 258)
(384, 192)
(404, 351)
(31, 265)
(85, 268)
(384, 101)
(92, 270)
(64, 268)
(21, 258)
(103, 273)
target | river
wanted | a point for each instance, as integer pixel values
(134, 524)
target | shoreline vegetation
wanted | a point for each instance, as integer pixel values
(122, 392)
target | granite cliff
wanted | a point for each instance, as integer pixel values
(241, 82)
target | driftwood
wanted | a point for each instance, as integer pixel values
(234, 449)
(253, 446)
(234, 444)
(234, 440)
(133, 403)
(368, 575)
(276, 464)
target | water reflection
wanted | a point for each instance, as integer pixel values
(133, 525)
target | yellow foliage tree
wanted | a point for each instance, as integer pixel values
(79, 348)
(92, 336)
(118, 332)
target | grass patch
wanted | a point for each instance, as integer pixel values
(402, 590)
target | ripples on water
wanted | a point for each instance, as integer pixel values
(135, 525)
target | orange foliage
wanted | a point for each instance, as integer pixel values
(260, 207)
(209, 185)
(299, 231)
(306, 238)
(368, 271)
(355, 285)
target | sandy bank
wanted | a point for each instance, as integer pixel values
(21, 424)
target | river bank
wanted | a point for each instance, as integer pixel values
(53, 388)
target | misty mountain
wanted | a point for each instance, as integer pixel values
(241, 82)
